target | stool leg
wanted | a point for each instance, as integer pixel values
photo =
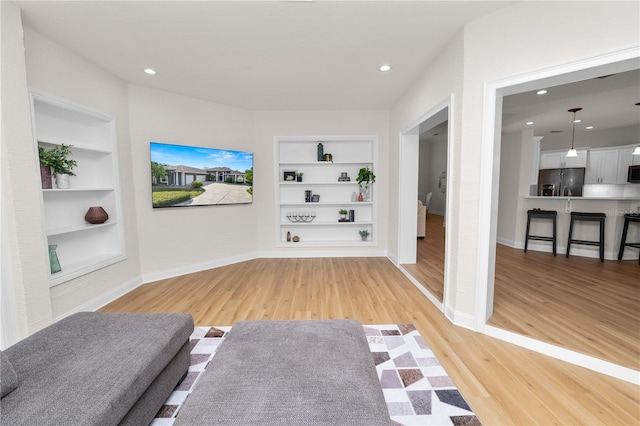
(623, 240)
(554, 235)
(569, 240)
(526, 237)
(602, 240)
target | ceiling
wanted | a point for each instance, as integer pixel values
(607, 102)
(263, 55)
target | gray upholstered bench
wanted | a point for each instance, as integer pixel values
(95, 369)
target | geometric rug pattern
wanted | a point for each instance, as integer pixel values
(416, 387)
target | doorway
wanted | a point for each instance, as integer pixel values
(616, 62)
(424, 166)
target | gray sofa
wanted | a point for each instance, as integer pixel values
(95, 369)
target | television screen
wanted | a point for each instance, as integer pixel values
(186, 176)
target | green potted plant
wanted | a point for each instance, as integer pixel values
(343, 214)
(299, 176)
(365, 177)
(364, 234)
(60, 165)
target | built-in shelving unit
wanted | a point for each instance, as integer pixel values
(349, 154)
(81, 247)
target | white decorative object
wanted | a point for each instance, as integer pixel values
(62, 181)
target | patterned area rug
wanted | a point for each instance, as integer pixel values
(416, 387)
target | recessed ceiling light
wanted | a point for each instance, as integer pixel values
(529, 123)
(150, 71)
(577, 121)
(541, 92)
(589, 127)
(385, 68)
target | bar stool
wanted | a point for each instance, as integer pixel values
(541, 214)
(597, 217)
(632, 217)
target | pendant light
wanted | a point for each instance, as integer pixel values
(572, 152)
(637, 150)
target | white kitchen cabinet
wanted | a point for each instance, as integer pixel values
(558, 159)
(602, 166)
(81, 247)
(626, 159)
(300, 154)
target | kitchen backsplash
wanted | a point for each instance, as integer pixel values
(615, 191)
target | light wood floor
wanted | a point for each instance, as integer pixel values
(504, 384)
(429, 267)
(576, 303)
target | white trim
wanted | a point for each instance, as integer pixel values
(188, 269)
(104, 299)
(572, 357)
(422, 289)
(408, 161)
(618, 60)
(303, 253)
(460, 319)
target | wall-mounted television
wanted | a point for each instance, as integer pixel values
(187, 176)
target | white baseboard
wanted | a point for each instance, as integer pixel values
(188, 269)
(292, 253)
(104, 299)
(460, 319)
(576, 250)
(576, 358)
(422, 289)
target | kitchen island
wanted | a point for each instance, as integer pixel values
(615, 207)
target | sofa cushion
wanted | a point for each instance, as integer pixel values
(8, 377)
(90, 368)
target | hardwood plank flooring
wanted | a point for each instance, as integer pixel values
(503, 383)
(577, 303)
(429, 267)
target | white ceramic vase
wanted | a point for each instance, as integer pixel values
(62, 181)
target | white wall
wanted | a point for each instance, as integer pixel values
(433, 161)
(510, 152)
(442, 78)
(518, 39)
(54, 69)
(23, 243)
(178, 240)
(269, 124)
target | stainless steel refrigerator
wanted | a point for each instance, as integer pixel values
(561, 182)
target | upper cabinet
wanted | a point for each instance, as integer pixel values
(76, 246)
(602, 166)
(558, 159)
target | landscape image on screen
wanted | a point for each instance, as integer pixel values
(187, 176)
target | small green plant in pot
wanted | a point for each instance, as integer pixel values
(365, 177)
(299, 176)
(57, 158)
(343, 214)
(364, 234)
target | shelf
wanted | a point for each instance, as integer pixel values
(74, 270)
(345, 243)
(299, 154)
(81, 247)
(324, 163)
(314, 223)
(62, 191)
(328, 203)
(78, 228)
(319, 183)
(78, 148)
